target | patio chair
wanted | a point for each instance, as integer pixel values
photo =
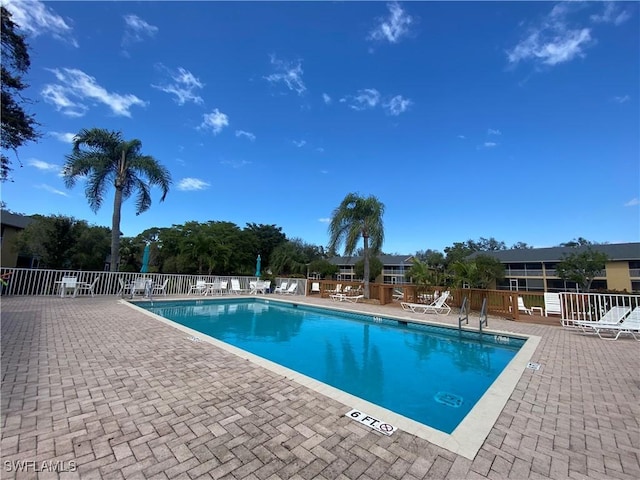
(522, 307)
(199, 287)
(613, 317)
(630, 326)
(291, 290)
(552, 304)
(139, 286)
(88, 287)
(235, 286)
(281, 288)
(353, 298)
(315, 287)
(157, 288)
(68, 283)
(398, 295)
(438, 306)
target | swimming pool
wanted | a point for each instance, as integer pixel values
(430, 374)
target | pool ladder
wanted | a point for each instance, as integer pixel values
(464, 314)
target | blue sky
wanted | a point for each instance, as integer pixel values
(513, 120)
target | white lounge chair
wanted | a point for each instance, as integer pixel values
(235, 286)
(528, 310)
(281, 288)
(613, 317)
(438, 306)
(353, 298)
(291, 290)
(200, 287)
(157, 288)
(552, 304)
(88, 287)
(398, 295)
(630, 326)
(315, 287)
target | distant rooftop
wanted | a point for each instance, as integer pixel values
(615, 251)
(14, 219)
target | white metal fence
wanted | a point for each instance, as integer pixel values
(593, 306)
(39, 282)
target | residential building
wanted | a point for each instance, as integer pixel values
(535, 269)
(394, 268)
(11, 224)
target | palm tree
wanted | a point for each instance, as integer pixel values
(354, 217)
(105, 159)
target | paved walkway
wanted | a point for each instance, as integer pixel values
(113, 393)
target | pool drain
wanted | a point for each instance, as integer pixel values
(449, 399)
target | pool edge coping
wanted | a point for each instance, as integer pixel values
(467, 438)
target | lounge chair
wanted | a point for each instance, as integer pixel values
(315, 287)
(528, 310)
(281, 288)
(292, 289)
(235, 286)
(438, 306)
(200, 287)
(88, 287)
(157, 288)
(613, 317)
(552, 304)
(353, 298)
(630, 326)
(398, 295)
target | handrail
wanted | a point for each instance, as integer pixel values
(463, 310)
(483, 315)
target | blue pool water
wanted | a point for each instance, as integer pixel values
(433, 375)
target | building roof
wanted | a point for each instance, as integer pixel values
(385, 259)
(14, 219)
(615, 252)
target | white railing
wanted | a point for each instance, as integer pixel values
(39, 282)
(592, 306)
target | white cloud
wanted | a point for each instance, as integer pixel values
(461, 137)
(136, 29)
(611, 14)
(397, 105)
(35, 19)
(320, 150)
(393, 27)
(299, 143)
(242, 133)
(324, 172)
(490, 144)
(183, 86)
(324, 220)
(49, 188)
(622, 99)
(326, 98)
(491, 131)
(235, 163)
(215, 121)
(190, 184)
(76, 87)
(44, 166)
(366, 98)
(65, 137)
(552, 41)
(632, 203)
(288, 73)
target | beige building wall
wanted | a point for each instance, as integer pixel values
(8, 256)
(618, 276)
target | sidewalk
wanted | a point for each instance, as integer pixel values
(114, 393)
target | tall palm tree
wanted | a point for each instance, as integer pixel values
(358, 216)
(108, 159)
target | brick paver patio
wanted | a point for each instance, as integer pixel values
(93, 384)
